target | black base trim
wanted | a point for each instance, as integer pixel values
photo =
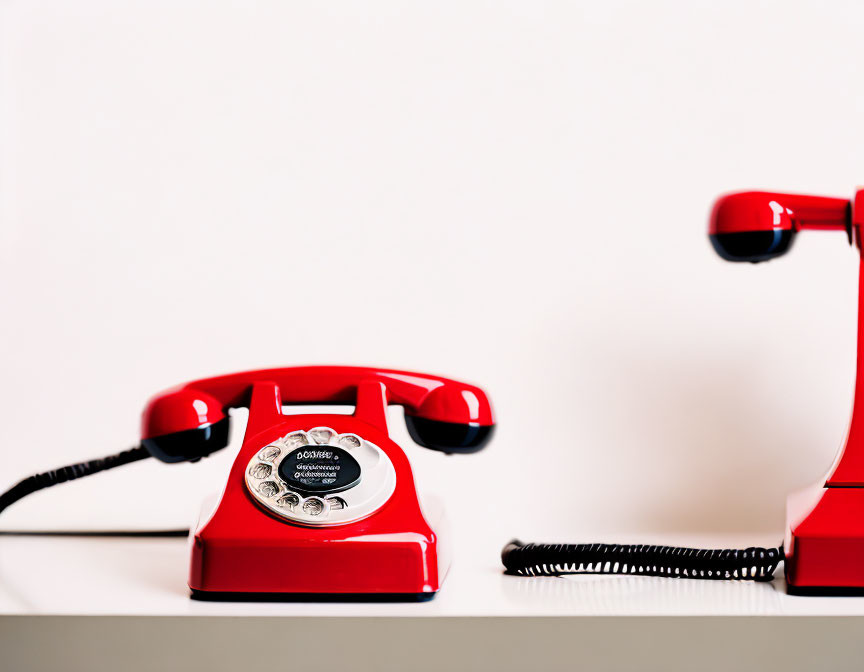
(210, 596)
(825, 591)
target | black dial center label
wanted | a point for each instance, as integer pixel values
(319, 469)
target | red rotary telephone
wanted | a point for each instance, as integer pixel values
(317, 503)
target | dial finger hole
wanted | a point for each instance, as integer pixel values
(349, 441)
(321, 435)
(268, 488)
(289, 500)
(313, 506)
(336, 503)
(296, 440)
(269, 454)
(261, 470)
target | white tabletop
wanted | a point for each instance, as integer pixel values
(103, 597)
(147, 577)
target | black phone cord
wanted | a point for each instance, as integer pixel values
(749, 564)
(47, 479)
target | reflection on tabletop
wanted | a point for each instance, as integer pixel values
(616, 594)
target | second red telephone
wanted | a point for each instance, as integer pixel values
(317, 504)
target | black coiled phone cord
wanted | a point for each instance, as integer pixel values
(749, 564)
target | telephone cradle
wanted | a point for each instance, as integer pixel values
(317, 504)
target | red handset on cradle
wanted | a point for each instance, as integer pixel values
(315, 504)
(191, 420)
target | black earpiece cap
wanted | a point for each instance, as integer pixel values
(448, 437)
(752, 246)
(190, 444)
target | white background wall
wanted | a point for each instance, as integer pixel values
(514, 194)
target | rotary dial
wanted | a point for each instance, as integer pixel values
(298, 476)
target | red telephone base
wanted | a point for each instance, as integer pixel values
(244, 552)
(825, 541)
(367, 569)
(387, 567)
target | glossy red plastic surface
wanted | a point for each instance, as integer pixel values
(825, 523)
(241, 548)
(178, 411)
(769, 211)
(825, 539)
(205, 401)
(848, 469)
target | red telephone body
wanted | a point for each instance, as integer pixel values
(382, 546)
(825, 523)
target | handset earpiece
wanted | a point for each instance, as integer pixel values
(757, 226)
(184, 425)
(466, 436)
(448, 437)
